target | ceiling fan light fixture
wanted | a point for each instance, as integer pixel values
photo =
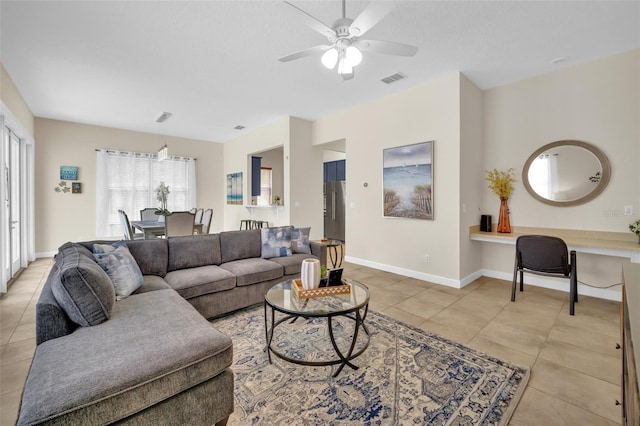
(330, 58)
(353, 56)
(344, 67)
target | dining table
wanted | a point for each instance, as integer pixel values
(155, 228)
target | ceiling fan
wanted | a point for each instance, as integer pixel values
(345, 46)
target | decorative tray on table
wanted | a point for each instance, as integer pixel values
(301, 293)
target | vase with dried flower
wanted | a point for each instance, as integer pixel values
(501, 183)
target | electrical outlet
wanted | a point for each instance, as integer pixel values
(427, 258)
(628, 210)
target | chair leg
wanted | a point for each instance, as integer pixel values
(513, 285)
(521, 280)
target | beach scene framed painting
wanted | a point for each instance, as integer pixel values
(407, 181)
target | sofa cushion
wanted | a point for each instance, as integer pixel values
(276, 242)
(300, 240)
(152, 283)
(194, 282)
(83, 290)
(193, 251)
(51, 320)
(119, 264)
(252, 271)
(151, 255)
(292, 264)
(120, 372)
(236, 245)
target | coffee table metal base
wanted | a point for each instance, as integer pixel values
(343, 359)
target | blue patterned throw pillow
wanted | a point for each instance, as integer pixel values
(276, 242)
(119, 264)
(300, 240)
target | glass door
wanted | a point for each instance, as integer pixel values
(11, 177)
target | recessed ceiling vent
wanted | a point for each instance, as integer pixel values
(163, 117)
(393, 78)
(239, 127)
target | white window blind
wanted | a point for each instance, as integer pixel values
(264, 199)
(127, 181)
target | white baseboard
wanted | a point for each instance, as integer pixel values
(560, 284)
(43, 254)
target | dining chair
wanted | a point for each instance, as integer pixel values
(129, 234)
(547, 256)
(179, 223)
(206, 220)
(148, 214)
(199, 213)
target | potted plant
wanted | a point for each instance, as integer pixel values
(162, 192)
(635, 228)
(501, 183)
(276, 200)
(323, 276)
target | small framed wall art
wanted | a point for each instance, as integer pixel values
(76, 188)
(68, 173)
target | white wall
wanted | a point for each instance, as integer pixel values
(429, 112)
(597, 102)
(66, 217)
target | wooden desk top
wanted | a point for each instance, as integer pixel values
(620, 244)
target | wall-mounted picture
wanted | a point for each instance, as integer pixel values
(68, 173)
(234, 188)
(76, 188)
(407, 179)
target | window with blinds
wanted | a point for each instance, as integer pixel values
(128, 180)
(264, 199)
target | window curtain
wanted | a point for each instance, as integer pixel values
(127, 181)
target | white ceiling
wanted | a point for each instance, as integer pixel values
(214, 65)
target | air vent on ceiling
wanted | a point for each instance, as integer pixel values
(239, 127)
(163, 117)
(393, 78)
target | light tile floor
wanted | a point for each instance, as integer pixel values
(575, 375)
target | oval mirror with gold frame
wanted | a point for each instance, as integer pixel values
(566, 173)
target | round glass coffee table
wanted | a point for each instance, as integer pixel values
(353, 306)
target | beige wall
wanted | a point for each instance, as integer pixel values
(72, 217)
(429, 112)
(14, 101)
(302, 195)
(471, 172)
(597, 102)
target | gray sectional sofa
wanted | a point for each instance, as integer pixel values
(149, 358)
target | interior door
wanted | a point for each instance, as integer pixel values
(13, 201)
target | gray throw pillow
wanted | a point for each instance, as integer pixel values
(119, 264)
(83, 290)
(276, 242)
(300, 240)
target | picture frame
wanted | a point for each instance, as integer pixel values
(76, 188)
(68, 173)
(407, 175)
(234, 188)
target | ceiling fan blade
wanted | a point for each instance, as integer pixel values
(386, 47)
(369, 17)
(305, 52)
(313, 22)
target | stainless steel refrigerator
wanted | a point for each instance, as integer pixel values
(334, 193)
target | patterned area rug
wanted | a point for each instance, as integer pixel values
(405, 377)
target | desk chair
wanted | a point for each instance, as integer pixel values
(126, 227)
(546, 256)
(148, 214)
(179, 223)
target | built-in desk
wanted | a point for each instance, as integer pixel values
(619, 244)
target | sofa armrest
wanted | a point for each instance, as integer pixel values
(319, 249)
